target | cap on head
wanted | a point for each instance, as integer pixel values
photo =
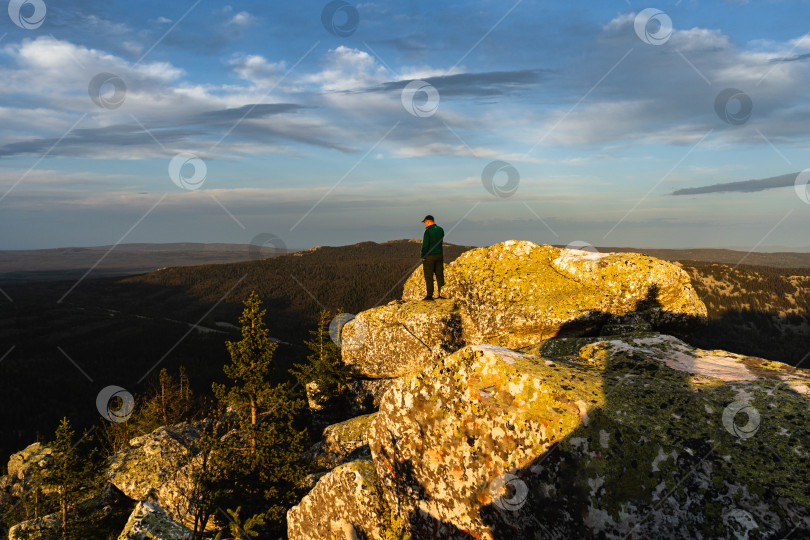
(428, 218)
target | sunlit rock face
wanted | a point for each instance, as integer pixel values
(634, 435)
(401, 337)
(563, 411)
(345, 503)
(159, 465)
(149, 521)
(517, 293)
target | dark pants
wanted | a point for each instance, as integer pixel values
(433, 264)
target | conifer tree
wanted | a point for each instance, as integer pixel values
(167, 400)
(325, 367)
(255, 463)
(250, 370)
(72, 477)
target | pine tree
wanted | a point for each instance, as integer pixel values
(72, 477)
(212, 482)
(325, 367)
(250, 369)
(255, 460)
(167, 401)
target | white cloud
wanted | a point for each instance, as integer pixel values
(665, 94)
(348, 69)
(257, 69)
(243, 19)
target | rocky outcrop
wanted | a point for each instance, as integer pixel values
(343, 441)
(24, 468)
(628, 433)
(587, 437)
(158, 466)
(22, 464)
(344, 505)
(401, 337)
(154, 470)
(517, 293)
(101, 516)
(149, 522)
(43, 528)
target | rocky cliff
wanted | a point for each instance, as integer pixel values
(549, 397)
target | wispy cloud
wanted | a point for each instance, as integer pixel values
(744, 186)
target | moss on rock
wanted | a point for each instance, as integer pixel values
(150, 522)
(516, 293)
(604, 437)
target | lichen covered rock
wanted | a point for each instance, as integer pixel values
(516, 293)
(34, 456)
(47, 527)
(340, 441)
(344, 504)
(158, 465)
(398, 338)
(638, 435)
(150, 522)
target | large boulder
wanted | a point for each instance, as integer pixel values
(517, 293)
(344, 505)
(158, 466)
(343, 441)
(34, 457)
(401, 337)
(149, 522)
(42, 528)
(637, 436)
(101, 516)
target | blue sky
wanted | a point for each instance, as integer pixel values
(292, 120)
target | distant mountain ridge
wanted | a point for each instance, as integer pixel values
(124, 259)
(137, 258)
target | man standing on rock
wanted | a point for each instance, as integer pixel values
(432, 256)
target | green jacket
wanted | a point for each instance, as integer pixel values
(432, 241)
